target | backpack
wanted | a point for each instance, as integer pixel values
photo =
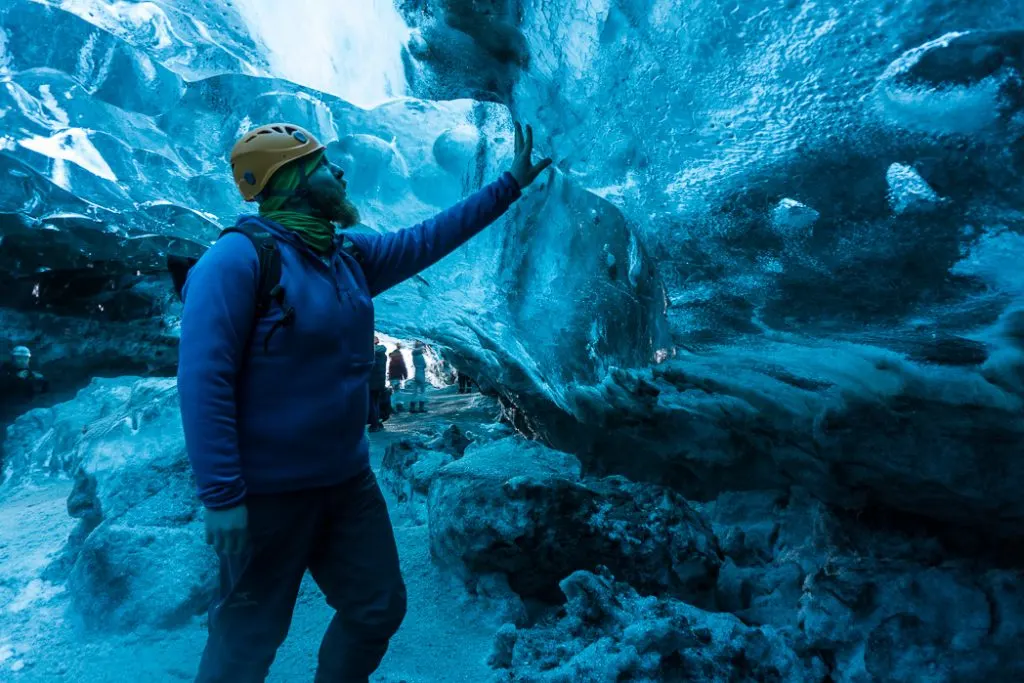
(268, 288)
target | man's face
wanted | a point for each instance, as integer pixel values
(21, 361)
(328, 197)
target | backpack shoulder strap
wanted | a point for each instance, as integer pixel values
(269, 255)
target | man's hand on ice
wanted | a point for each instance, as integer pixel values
(523, 169)
(226, 529)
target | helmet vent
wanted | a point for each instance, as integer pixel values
(263, 132)
(249, 178)
(278, 129)
(299, 136)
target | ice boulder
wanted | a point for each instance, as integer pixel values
(881, 602)
(138, 557)
(407, 470)
(453, 440)
(521, 509)
(43, 443)
(410, 465)
(130, 576)
(610, 633)
(909, 192)
(791, 218)
(904, 619)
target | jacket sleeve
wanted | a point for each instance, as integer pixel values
(397, 256)
(220, 297)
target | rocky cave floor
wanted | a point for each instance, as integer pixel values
(444, 637)
(520, 567)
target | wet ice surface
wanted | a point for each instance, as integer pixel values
(444, 638)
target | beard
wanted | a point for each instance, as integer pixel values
(347, 215)
(337, 208)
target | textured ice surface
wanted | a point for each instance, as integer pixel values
(831, 177)
(781, 249)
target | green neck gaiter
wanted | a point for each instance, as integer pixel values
(317, 233)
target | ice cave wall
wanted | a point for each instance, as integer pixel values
(774, 226)
(831, 193)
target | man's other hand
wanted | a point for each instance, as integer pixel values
(226, 529)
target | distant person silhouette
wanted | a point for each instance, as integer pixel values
(465, 383)
(397, 374)
(418, 404)
(379, 387)
(19, 384)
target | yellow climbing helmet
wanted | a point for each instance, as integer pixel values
(262, 151)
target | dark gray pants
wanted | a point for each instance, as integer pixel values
(343, 535)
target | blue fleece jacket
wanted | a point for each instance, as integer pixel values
(292, 417)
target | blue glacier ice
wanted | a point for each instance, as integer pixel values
(752, 354)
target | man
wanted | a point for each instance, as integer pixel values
(274, 404)
(397, 374)
(378, 386)
(419, 380)
(20, 384)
